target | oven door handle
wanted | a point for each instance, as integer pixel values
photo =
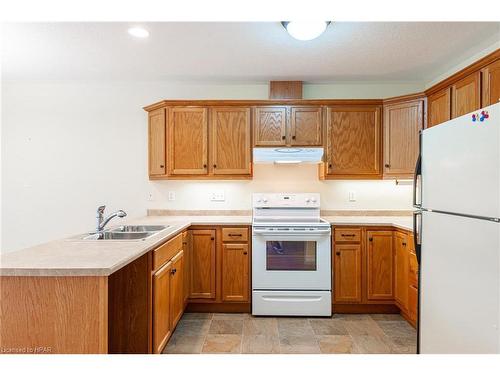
(291, 232)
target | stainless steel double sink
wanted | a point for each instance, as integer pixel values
(127, 232)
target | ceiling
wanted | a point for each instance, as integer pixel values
(242, 52)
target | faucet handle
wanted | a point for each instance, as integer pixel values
(100, 209)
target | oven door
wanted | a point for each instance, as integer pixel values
(291, 261)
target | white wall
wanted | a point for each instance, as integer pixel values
(68, 147)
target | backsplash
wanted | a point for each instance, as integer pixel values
(236, 195)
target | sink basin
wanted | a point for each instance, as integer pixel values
(119, 236)
(138, 228)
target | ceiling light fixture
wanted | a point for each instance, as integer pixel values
(305, 30)
(138, 32)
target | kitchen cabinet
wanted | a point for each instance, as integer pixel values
(380, 265)
(203, 265)
(270, 126)
(157, 142)
(305, 126)
(401, 270)
(235, 272)
(176, 288)
(161, 307)
(491, 84)
(231, 147)
(466, 95)
(186, 248)
(187, 140)
(353, 144)
(347, 272)
(402, 124)
(439, 107)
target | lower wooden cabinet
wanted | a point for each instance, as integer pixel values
(401, 269)
(347, 273)
(203, 266)
(235, 272)
(176, 289)
(412, 304)
(186, 248)
(161, 307)
(379, 265)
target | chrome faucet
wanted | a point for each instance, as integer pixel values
(101, 221)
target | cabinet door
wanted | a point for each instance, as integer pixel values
(231, 141)
(491, 84)
(235, 276)
(161, 307)
(413, 303)
(466, 95)
(439, 107)
(187, 141)
(203, 264)
(305, 126)
(186, 248)
(380, 268)
(156, 142)
(176, 289)
(353, 141)
(270, 126)
(401, 270)
(347, 273)
(402, 123)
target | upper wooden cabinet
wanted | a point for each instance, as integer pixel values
(187, 141)
(439, 107)
(402, 124)
(157, 141)
(466, 95)
(305, 126)
(491, 83)
(288, 126)
(353, 142)
(231, 141)
(379, 265)
(270, 126)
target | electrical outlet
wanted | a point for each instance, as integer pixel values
(171, 195)
(217, 196)
(352, 196)
(151, 197)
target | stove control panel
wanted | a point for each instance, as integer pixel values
(292, 200)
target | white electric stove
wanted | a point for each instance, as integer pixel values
(291, 256)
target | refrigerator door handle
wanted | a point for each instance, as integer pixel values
(417, 233)
(417, 176)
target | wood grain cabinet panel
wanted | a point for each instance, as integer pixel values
(231, 141)
(270, 126)
(413, 305)
(347, 273)
(305, 126)
(353, 142)
(466, 95)
(380, 265)
(157, 141)
(203, 266)
(439, 107)
(402, 124)
(401, 270)
(161, 307)
(491, 84)
(235, 272)
(188, 141)
(186, 248)
(176, 289)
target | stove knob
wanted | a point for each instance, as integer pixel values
(264, 200)
(313, 200)
(307, 200)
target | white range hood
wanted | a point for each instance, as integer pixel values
(287, 155)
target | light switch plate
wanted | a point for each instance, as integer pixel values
(171, 195)
(352, 196)
(217, 196)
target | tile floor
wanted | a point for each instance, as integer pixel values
(243, 333)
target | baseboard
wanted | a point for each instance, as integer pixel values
(234, 307)
(365, 309)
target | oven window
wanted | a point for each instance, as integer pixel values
(291, 255)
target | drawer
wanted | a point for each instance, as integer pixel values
(413, 270)
(235, 234)
(347, 234)
(165, 252)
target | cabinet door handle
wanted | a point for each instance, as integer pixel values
(387, 165)
(212, 238)
(329, 166)
(215, 165)
(293, 137)
(162, 166)
(337, 253)
(283, 137)
(204, 166)
(370, 239)
(174, 270)
(245, 253)
(404, 243)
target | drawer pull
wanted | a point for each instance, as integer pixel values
(174, 270)
(234, 234)
(347, 235)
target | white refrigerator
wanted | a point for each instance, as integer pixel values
(457, 227)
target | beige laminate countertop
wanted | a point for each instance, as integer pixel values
(76, 257)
